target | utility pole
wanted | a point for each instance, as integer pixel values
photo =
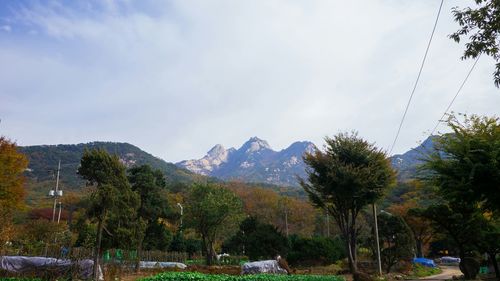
(182, 211)
(56, 193)
(59, 216)
(376, 239)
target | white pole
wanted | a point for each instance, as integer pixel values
(59, 216)
(182, 210)
(55, 194)
(376, 239)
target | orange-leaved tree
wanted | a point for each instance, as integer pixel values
(12, 166)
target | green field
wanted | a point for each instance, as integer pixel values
(193, 276)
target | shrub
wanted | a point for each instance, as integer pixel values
(315, 251)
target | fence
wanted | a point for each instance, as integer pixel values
(114, 262)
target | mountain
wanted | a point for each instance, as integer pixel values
(406, 164)
(43, 161)
(254, 161)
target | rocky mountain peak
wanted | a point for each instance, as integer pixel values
(255, 144)
(216, 151)
(301, 147)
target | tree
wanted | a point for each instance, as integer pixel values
(396, 240)
(280, 211)
(466, 168)
(214, 212)
(489, 240)
(148, 183)
(460, 222)
(482, 26)
(466, 164)
(258, 240)
(318, 250)
(112, 196)
(348, 176)
(12, 166)
(416, 195)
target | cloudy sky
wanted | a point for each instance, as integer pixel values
(177, 77)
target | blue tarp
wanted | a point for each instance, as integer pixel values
(424, 262)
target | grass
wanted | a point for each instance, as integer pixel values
(423, 271)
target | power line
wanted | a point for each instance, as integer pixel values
(419, 148)
(418, 78)
(456, 95)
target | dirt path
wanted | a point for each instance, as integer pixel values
(448, 273)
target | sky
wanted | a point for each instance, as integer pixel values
(177, 77)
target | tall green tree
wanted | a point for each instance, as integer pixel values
(466, 164)
(466, 168)
(148, 183)
(481, 24)
(349, 175)
(214, 212)
(111, 196)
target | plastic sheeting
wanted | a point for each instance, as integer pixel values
(268, 266)
(424, 262)
(447, 259)
(155, 264)
(22, 264)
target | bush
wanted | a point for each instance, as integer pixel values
(194, 276)
(259, 240)
(423, 271)
(315, 251)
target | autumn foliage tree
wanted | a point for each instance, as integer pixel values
(278, 210)
(12, 166)
(419, 195)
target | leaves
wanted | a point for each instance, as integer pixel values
(482, 27)
(466, 165)
(214, 212)
(12, 166)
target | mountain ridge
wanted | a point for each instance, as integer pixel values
(254, 161)
(43, 161)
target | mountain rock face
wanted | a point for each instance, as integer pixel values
(254, 161)
(406, 164)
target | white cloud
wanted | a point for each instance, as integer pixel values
(177, 77)
(6, 28)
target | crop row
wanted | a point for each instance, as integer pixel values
(194, 276)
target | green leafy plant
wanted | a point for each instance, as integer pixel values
(194, 276)
(423, 271)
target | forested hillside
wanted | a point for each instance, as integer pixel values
(43, 160)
